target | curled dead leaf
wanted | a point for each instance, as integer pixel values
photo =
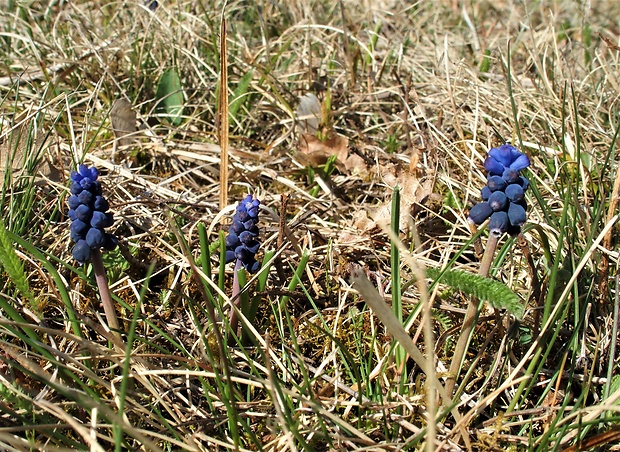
(314, 152)
(123, 120)
(413, 190)
(12, 149)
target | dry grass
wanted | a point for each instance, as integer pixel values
(420, 92)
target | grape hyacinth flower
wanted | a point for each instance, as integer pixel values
(241, 246)
(88, 211)
(242, 240)
(503, 195)
(504, 204)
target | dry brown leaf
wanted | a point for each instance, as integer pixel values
(354, 164)
(315, 152)
(362, 222)
(413, 190)
(17, 149)
(123, 120)
(12, 149)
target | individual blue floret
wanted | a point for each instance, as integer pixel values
(242, 240)
(88, 211)
(510, 176)
(499, 222)
(480, 212)
(81, 251)
(516, 214)
(498, 201)
(496, 183)
(515, 192)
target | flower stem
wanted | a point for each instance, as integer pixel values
(104, 291)
(489, 253)
(235, 298)
(470, 316)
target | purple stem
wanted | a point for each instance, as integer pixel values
(104, 291)
(235, 298)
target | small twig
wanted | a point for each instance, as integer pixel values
(347, 50)
(477, 242)
(282, 233)
(282, 222)
(104, 291)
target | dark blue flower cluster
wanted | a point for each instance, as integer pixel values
(88, 211)
(504, 194)
(241, 241)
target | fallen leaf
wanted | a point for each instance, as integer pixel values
(123, 120)
(413, 190)
(12, 147)
(362, 222)
(17, 150)
(313, 121)
(314, 152)
(354, 164)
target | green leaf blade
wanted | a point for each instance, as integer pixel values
(170, 96)
(241, 94)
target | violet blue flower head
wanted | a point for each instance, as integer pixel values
(503, 195)
(88, 211)
(242, 240)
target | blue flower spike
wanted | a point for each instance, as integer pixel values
(242, 240)
(88, 210)
(503, 195)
